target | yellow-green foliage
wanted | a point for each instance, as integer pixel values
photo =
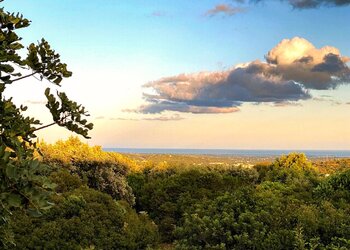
(100, 170)
(295, 161)
(73, 150)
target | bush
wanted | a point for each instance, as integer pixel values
(85, 218)
(336, 187)
(68, 152)
(98, 169)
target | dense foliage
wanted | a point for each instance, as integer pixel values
(92, 204)
(85, 218)
(288, 204)
(98, 169)
(167, 194)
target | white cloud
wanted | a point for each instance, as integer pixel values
(292, 68)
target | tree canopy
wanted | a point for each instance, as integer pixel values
(23, 181)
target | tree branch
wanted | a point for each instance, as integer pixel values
(51, 124)
(45, 126)
(22, 77)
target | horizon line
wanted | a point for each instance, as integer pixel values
(233, 149)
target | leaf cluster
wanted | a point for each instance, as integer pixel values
(24, 182)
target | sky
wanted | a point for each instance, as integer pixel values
(230, 74)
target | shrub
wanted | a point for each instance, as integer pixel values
(98, 169)
(85, 218)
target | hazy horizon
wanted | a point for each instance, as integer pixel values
(259, 153)
(238, 149)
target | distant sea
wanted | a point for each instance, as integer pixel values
(232, 152)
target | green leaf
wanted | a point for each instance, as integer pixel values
(34, 213)
(58, 80)
(5, 78)
(49, 185)
(6, 156)
(14, 200)
(11, 172)
(47, 91)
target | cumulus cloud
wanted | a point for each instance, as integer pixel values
(308, 4)
(291, 69)
(223, 9)
(297, 59)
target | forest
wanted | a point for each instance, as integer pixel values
(104, 200)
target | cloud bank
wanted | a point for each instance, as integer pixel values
(291, 69)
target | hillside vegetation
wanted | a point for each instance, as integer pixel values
(108, 201)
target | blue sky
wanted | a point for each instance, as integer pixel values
(114, 47)
(122, 30)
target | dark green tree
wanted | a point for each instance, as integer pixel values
(23, 181)
(85, 218)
